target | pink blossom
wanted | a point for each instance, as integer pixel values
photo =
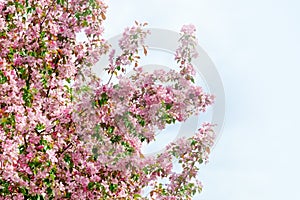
(52, 156)
(188, 29)
(66, 131)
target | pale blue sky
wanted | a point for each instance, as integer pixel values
(255, 46)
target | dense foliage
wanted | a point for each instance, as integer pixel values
(64, 133)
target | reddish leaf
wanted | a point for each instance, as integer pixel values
(145, 50)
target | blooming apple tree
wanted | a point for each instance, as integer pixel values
(65, 133)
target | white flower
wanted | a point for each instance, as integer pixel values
(52, 156)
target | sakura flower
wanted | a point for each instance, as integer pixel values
(52, 156)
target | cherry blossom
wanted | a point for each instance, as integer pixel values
(65, 133)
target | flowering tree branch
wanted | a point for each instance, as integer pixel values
(66, 134)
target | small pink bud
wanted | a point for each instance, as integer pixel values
(40, 147)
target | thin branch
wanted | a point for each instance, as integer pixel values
(25, 141)
(110, 78)
(66, 148)
(48, 11)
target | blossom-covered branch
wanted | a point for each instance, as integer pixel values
(64, 133)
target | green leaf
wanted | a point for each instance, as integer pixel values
(128, 147)
(141, 120)
(77, 15)
(49, 191)
(27, 96)
(91, 185)
(30, 9)
(18, 5)
(44, 81)
(3, 78)
(137, 196)
(113, 187)
(23, 190)
(168, 106)
(22, 149)
(85, 23)
(68, 80)
(200, 161)
(46, 144)
(135, 177)
(42, 34)
(110, 129)
(115, 138)
(193, 142)
(61, 2)
(87, 12)
(67, 158)
(103, 100)
(52, 173)
(40, 127)
(3, 33)
(68, 195)
(192, 79)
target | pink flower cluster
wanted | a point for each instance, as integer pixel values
(132, 39)
(66, 134)
(187, 51)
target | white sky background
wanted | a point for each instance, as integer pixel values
(255, 45)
